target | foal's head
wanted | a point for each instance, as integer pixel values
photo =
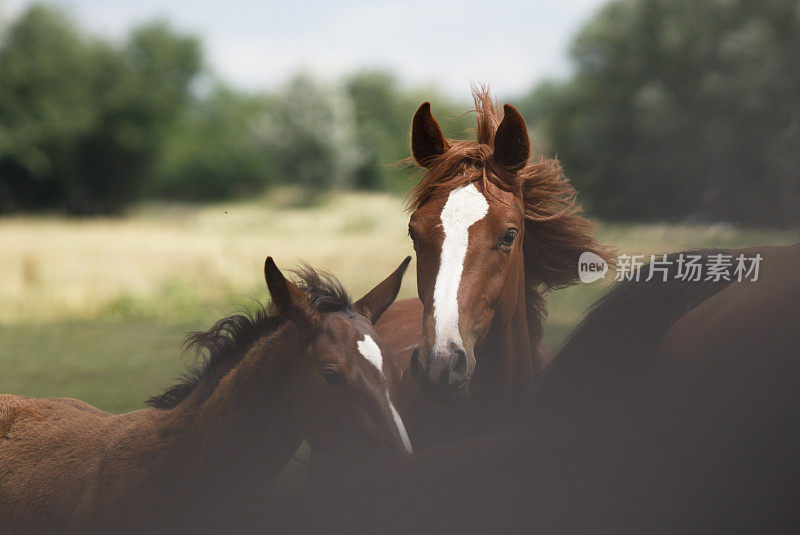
(491, 231)
(343, 387)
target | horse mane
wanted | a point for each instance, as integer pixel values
(223, 346)
(622, 328)
(556, 232)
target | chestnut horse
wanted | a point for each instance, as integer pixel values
(492, 230)
(674, 407)
(314, 368)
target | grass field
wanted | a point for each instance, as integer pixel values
(97, 309)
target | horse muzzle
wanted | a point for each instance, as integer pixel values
(442, 374)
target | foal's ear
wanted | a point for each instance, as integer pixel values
(427, 140)
(290, 301)
(379, 298)
(511, 144)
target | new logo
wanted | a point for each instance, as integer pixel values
(591, 267)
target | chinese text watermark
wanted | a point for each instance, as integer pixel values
(687, 267)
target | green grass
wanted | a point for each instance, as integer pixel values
(97, 309)
(113, 365)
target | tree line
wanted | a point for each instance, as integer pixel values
(680, 109)
(88, 126)
(676, 110)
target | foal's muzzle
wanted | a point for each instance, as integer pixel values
(444, 374)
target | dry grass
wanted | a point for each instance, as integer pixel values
(174, 261)
(179, 262)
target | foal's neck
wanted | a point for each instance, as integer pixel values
(241, 436)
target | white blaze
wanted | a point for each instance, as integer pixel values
(464, 207)
(370, 351)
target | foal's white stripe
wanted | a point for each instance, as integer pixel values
(464, 207)
(401, 428)
(370, 351)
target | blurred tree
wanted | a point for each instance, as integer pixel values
(682, 109)
(219, 148)
(45, 74)
(81, 121)
(383, 117)
(383, 112)
(312, 135)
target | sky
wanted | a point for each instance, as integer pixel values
(445, 45)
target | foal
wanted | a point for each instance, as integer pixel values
(211, 444)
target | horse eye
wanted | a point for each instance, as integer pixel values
(508, 238)
(411, 234)
(332, 377)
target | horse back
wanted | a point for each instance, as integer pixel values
(746, 320)
(45, 473)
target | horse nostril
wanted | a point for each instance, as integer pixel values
(458, 365)
(414, 366)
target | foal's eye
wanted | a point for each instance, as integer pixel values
(508, 238)
(332, 377)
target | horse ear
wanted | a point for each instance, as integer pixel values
(511, 144)
(427, 140)
(290, 300)
(379, 298)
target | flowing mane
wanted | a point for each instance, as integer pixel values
(556, 233)
(221, 347)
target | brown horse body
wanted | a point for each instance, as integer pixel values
(477, 342)
(218, 440)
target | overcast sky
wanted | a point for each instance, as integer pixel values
(507, 43)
